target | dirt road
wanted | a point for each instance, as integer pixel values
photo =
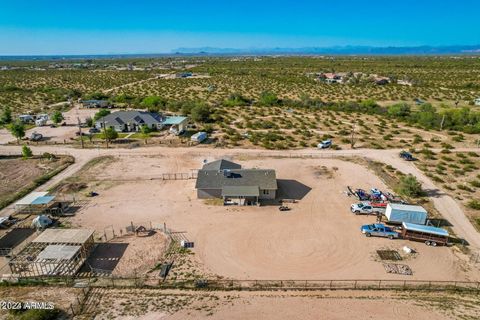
(447, 206)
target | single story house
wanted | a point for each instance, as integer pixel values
(133, 120)
(477, 102)
(130, 121)
(227, 180)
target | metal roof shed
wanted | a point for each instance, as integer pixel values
(175, 120)
(65, 236)
(35, 202)
(28, 199)
(58, 252)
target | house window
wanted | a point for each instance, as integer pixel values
(265, 192)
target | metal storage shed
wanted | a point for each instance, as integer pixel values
(35, 202)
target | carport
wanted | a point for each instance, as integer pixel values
(34, 203)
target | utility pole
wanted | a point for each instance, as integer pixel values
(105, 132)
(441, 123)
(352, 138)
(80, 131)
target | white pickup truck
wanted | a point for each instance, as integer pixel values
(365, 208)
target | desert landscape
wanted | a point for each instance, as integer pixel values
(240, 186)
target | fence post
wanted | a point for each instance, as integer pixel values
(355, 285)
(379, 283)
(331, 284)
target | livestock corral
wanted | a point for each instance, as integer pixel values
(317, 238)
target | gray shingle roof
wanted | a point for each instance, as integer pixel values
(221, 164)
(216, 179)
(138, 117)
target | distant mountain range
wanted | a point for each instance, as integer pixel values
(337, 50)
(213, 51)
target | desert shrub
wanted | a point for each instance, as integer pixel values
(474, 204)
(26, 152)
(409, 186)
(465, 188)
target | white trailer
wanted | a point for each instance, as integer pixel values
(199, 136)
(399, 213)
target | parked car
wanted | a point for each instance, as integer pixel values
(93, 130)
(379, 230)
(365, 208)
(406, 156)
(325, 144)
(36, 136)
(284, 208)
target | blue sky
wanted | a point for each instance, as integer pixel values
(148, 26)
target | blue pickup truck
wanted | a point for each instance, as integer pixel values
(379, 230)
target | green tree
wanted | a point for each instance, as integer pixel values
(236, 99)
(110, 134)
(89, 121)
(201, 113)
(6, 116)
(57, 117)
(409, 186)
(100, 114)
(154, 103)
(26, 152)
(145, 130)
(17, 129)
(400, 110)
(268, 98)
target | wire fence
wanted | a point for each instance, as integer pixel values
(257, 285)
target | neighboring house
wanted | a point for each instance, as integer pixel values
(477, 102)
(95, 103)
(330, 77)
(227, 180)
(381, 80)
(130, 121)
